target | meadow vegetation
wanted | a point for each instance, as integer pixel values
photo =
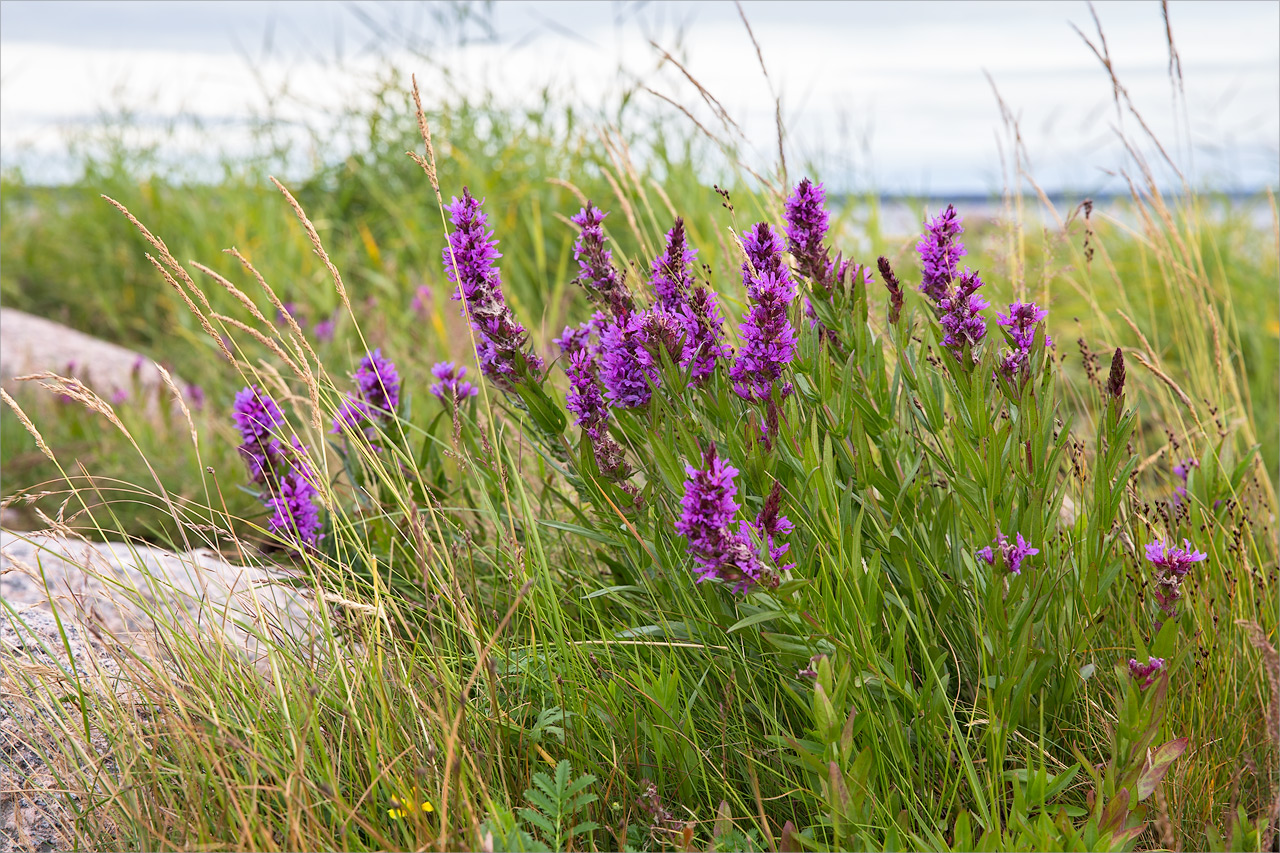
(861, 564)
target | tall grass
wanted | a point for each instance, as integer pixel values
(525, 609)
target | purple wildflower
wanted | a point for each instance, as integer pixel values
(807, 223)
(351, 415)
(1012, 553)
(1146, 673)
(324, 329)
(627, 367)
(196, 395)
(379, 382)
(119, 396)
(584, 399)
(768, 340)
(1172, 564)
(704, 334)
(501, 338)
(291, 309)
(293, 509)
(672, 273)
(940, 253)
(574, 339)
(1020, 323)
(708, 509)
(595, 263)
(451, 386)
(256, 416)
(960, 318)
(772, 527)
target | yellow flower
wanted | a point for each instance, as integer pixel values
(400, 809)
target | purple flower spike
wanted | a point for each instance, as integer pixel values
(1020, 322)
(807, 223)
(708, 509)
(960, 318)
(1146, 673)
(379, 382)
(584, 399)
(672, 274)
(1012, 553)
(772, 526)
(574, 339)
(1183, 471)
(626, 366)
(768, 339)
(451, 386)
(704, 334)
(324, 329)
(1172, 565)
(940, 253)
(595, 263)
(293, 511)
(500, 338)
(256, 417)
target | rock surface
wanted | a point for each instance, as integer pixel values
(31, 344)
(104, 594)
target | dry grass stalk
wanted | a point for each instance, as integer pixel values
(182, 404)
(262, 339)
(300, 343)
(777, 99)
(28, 425)
(428, 163)
(1165, 378)
(204, 321)
(234, 291)
(315, 242)
(163, 250)
(571, 187)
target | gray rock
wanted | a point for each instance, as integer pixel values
(31, 344)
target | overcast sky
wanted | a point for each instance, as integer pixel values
(892, 96)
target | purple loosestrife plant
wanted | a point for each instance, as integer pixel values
(807, 223)
(1012, 554)
(591, 413)
(940, 252)
(286, 475)
(672, 274)
(772, 527)
(449, 384)
(1171, 566)
(1020, 323)
(595, 263)
(708, 509)
(1183, 471)
(961, 318)
(768, 339)
(500, 338)
(703, 334)
(256, 417)
(377, 399)
(1146, 673)
(626, 367)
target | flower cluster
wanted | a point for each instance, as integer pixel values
(1011, 553)
(672, 272)
(1146, 673)
(378, 384)
(961, 320)
(807, 223)
(772, 526)
(1020, 323)
(595, 263)
(282, 470)
(627, 368)
(1172, 564)
(703, 334)
(591, 413)
(708, 510)
(449, 384)
(768, 339)
(940, 253)
(470, 262)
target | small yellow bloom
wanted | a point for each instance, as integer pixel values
(401, 810)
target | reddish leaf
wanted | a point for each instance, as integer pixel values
(1158, 764)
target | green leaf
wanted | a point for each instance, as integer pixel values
(1158, 765)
